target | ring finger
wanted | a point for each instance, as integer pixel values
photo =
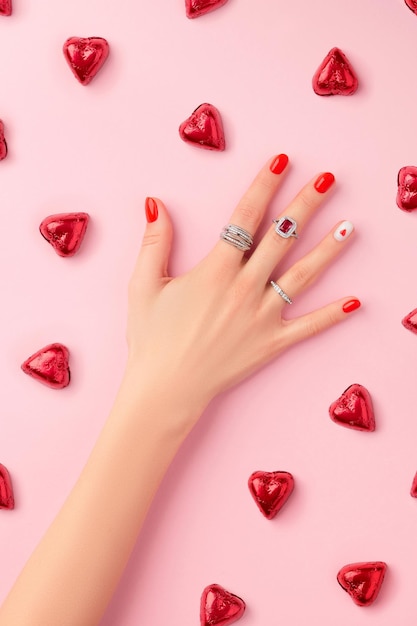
(303, 273)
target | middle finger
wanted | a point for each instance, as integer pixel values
(274, 245)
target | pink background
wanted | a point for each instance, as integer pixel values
(102, 149)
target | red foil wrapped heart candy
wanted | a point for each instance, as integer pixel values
(412, 4)
(413, 490)
(271, 490)
(335, 76)
(362, 581)
(86, 56)
(204, 128)
(6, 7)
(65, 231)
(219, 607)
(195, 8)
(6, 489)
(354, 409)
(3, 144)
(410, 321)
(49, 366)
(407, 188)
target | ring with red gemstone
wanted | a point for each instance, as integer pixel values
(286, 227)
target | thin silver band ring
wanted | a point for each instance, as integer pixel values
(281, 292)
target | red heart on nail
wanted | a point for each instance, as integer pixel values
(6, 7)
(86, 56)
(335, 76)
(362, 581)
(220, 607)
(204, 128)
(412, 4)
(195, 8)
(354, 409)
(65, 231)
(6, 490)
(407, 188)
(271, 490)
(49, 366)
(3, 144)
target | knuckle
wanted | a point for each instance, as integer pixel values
(150, 239)
(301, 274)
(306, 201)
(249, 212)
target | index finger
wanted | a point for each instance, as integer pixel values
(252, 207)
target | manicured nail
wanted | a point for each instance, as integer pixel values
(343, 231)
(279, 164)
(351, 305)
(151, 209)
(324, 182)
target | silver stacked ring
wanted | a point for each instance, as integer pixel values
(237, 237)
(281, 292)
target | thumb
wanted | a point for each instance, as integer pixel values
(152, 263)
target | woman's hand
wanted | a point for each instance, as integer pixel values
(200, 333)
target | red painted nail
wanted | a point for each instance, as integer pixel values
(151, 209)
(351, 305)
(279, 164)
(324, 182)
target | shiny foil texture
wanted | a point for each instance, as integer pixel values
(407, 188)
(65, 231)
(410, 321)
(220, 607)
(412, 4)
(335, 76)
(6, 7)
(362, 581)
(3, 144)
(86, 56)
(49, 366)
(6, 489)
(195, 8)
(270, 490)
(354, 409)
(413, 490)
(204, 128)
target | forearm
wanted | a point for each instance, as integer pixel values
(73, 572)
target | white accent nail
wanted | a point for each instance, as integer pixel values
(343, 231)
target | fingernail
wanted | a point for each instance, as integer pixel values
(351, 305)
(151, 210)
(279, 164)
(343, 231)
(324, 182)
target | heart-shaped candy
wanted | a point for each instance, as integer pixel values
(362, 581)
(49, 366)
(6, 490)
(413, 490)
(271, 490)
(354, 409)
(86, 56)
(407, 188)
(65, 231)
(410, 321)
(195, 8)
(412, 4)
(220, 607)
(335, 76)
(204, 128)
(6, 7)
(3, 144)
